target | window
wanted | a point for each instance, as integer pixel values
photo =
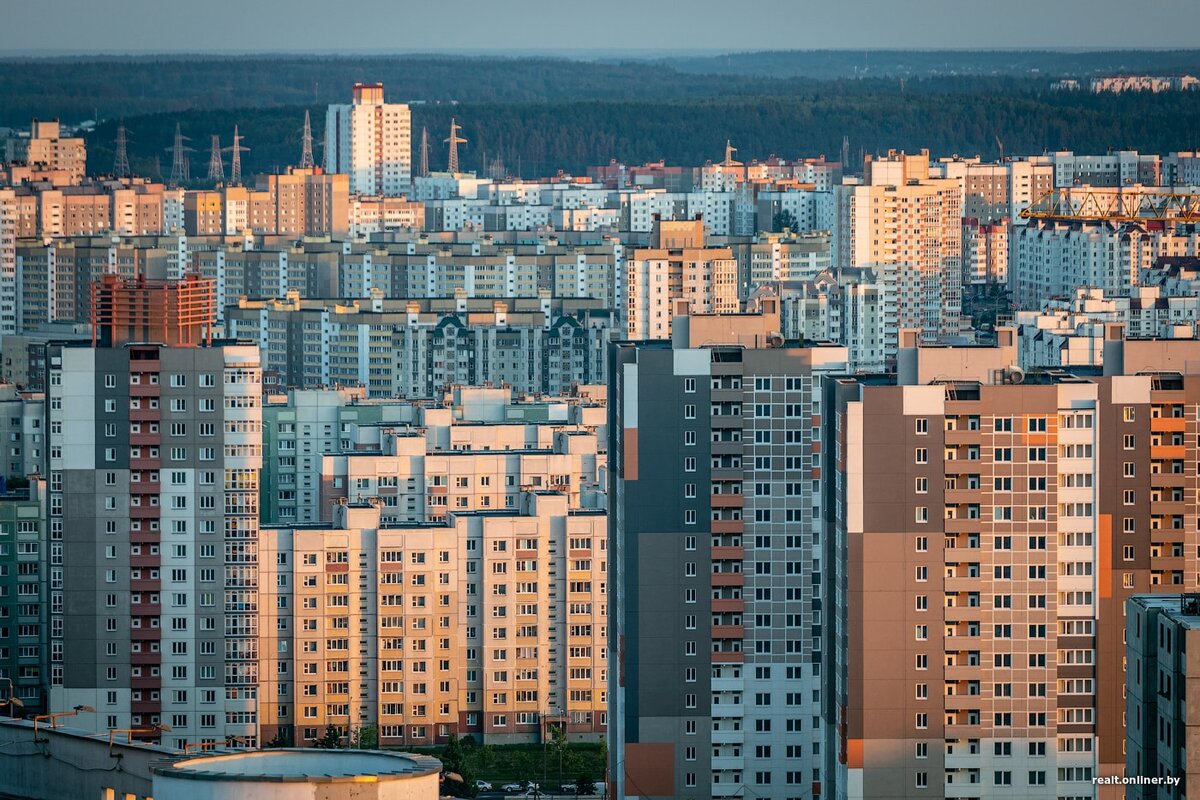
(922, 486)
(922, 426)
(921, 455)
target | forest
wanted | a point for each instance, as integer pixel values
(534, 139)
(540, 115)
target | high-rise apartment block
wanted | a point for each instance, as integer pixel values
(676, 266)
(49, 149)
(1162, 682)
(153, 460)
(991, 524)
(721, 673)
(370, 141)
(487, 623)
(907, 228)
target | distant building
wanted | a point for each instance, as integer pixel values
(985, 252)
(1144, 83)
(370, 141)
(907, 228)
(48, 148)
(1162, 686)
(174, 313)
(421, 347)
(677, 266)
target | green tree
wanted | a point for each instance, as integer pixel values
(559, 746)
(282, 738)
(365, 738)
(332, 740)
(784, 219)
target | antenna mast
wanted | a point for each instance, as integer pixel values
(121, 158)
(306, 154)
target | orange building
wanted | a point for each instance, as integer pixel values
(177, 313)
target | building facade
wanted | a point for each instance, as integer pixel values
(719, 599)
(487, 623)
(370, 141)
(153, 461)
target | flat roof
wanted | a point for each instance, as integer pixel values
(304, 765)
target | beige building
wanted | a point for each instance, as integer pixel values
(488, 623)
(49, 148)
(907, 228)
(677, 266)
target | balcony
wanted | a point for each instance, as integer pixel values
(727, 657)
(145, 414)
(727, 501)
(728, 631)
(728, 579)
(728, 737)
(727, 553)
(728, 606)
(1168, 451)
(727, 526)
(145, 439)
(1168, 425)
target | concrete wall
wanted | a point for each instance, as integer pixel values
(73, 764)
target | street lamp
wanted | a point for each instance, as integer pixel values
(56, 716)
(129, 732)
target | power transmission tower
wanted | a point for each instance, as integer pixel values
(424, 168)
(454, 141)
(180, 171)
(216, 167)
(306, 154)
(121, 158)
(235, 168)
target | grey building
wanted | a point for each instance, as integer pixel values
(716, 557)
(153, 461)
(1162, 694)
(23, 595)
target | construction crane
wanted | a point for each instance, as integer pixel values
(1101, 204)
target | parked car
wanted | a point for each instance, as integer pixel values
(483, 786)
(513, 787)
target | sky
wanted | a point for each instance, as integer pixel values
(644, 26)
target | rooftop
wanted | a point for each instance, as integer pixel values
(307, 765)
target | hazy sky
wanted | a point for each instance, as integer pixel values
(406, 25)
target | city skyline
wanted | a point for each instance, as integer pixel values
(150, 27)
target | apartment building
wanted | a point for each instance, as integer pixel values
(153, 461)
(1161, 683)
(907, 228)
(856, 311)
(1023, 509)
(420, 347)
(332, 444)
(370, 141)
(719, 609)
(1051, 257)
(24, 629)
(49, 148)
(22, 433)
(485, 623)
(984, 253)
(677, 266)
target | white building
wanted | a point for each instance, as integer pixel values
(370, 141)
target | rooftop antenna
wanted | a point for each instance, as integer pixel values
(306, 153)
(121, 158)
(845, 152)
(235, 168)
(454, 141)
(216, 167)
(180, 171)
(424, 168)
